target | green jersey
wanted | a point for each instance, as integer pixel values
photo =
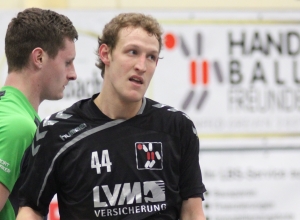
(17, 128)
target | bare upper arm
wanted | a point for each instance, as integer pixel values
(4, 192)
(192, 209)
(27, 213)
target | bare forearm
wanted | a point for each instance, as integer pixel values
(26, 213)
(192, 209)
(4, 193)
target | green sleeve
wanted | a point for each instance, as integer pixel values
(16, 135)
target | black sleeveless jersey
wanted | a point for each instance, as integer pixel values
(141, 168)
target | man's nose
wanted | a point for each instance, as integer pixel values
(141, 64)
(72, 74)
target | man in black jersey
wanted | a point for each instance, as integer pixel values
(117, 155)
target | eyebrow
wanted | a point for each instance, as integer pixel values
(138, 46)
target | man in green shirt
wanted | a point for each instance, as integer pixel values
(40, 50)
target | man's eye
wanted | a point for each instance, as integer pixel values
(132, 52)
(152, 57)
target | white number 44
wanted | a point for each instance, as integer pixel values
(105, 161)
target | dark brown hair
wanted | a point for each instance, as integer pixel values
(112, 29)
(34, 28)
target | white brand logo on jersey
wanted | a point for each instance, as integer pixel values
(153, 191)
(73, 131)
(149, 155)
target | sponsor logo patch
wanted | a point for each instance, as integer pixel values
(149, 155)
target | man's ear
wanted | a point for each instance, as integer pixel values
(37, 57)
(104, 54)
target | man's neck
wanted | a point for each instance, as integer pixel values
(117, 109)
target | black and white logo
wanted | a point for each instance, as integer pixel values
(149, 155)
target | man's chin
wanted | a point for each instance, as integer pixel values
(57, 97)
(136, 98)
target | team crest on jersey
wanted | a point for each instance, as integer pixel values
(149, 155)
